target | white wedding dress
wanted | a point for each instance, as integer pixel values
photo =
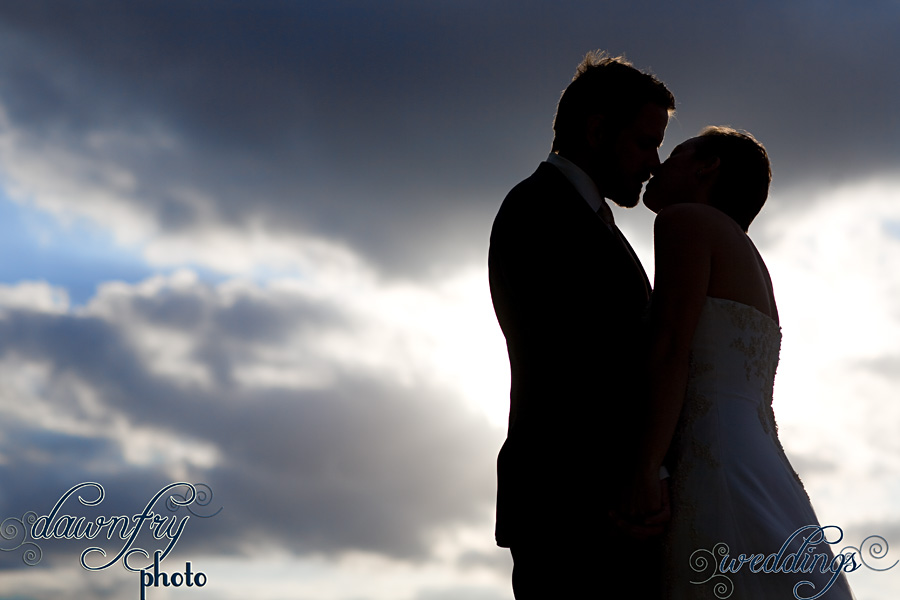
(733, 490)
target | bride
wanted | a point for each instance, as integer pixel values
(715, 340)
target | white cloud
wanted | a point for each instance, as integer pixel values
(34, 295)
(836, 271)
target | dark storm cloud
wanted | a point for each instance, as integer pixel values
(397, 127)
(359, 464)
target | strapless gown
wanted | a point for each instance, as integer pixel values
(733, 490)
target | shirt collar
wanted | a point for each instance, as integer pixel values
(580, 180)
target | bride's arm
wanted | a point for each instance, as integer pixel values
(682, 253)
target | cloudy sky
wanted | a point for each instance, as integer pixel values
(244, 244)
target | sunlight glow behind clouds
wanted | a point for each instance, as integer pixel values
(836, 271)
(445, 332)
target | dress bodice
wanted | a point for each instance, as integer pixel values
(734, 355)
(737, 344)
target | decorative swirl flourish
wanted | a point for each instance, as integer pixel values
(101, 493)
(199, 494)
(877, 549)
(700, 563)
(10, 530)
(204, 498)
(723, 587)
(15, 531)
(32, 555)
(90, 551)
(128, 556)
(175, 501)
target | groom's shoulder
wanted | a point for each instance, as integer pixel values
(546, 176)
(535, 194)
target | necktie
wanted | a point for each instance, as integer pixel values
(606, 216)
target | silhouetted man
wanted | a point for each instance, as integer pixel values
(569, 294)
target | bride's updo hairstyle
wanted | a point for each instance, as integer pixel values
(744, 173)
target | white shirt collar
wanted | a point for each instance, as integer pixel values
(581, 181)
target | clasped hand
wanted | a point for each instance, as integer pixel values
(643, 510)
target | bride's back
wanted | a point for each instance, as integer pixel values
(737, 271)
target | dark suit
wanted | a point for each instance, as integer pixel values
(569, 296)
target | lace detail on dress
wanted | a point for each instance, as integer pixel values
(760, 341)
(696, 405)
(761, 346)
(690, 449)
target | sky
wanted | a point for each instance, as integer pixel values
(244, 244)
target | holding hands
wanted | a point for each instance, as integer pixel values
(643, 511)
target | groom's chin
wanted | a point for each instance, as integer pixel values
(629, 202)
(627, 197)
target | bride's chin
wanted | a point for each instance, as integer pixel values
(650, 203)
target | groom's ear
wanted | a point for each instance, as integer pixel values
(596, 129)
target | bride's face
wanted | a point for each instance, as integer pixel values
(676, 180)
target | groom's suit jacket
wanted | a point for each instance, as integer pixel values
(569, 295)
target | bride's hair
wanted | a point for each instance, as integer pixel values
(744, 173)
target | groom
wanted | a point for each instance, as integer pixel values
(569, 293)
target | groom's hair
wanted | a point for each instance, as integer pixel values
(605, 85)
(744, 172)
